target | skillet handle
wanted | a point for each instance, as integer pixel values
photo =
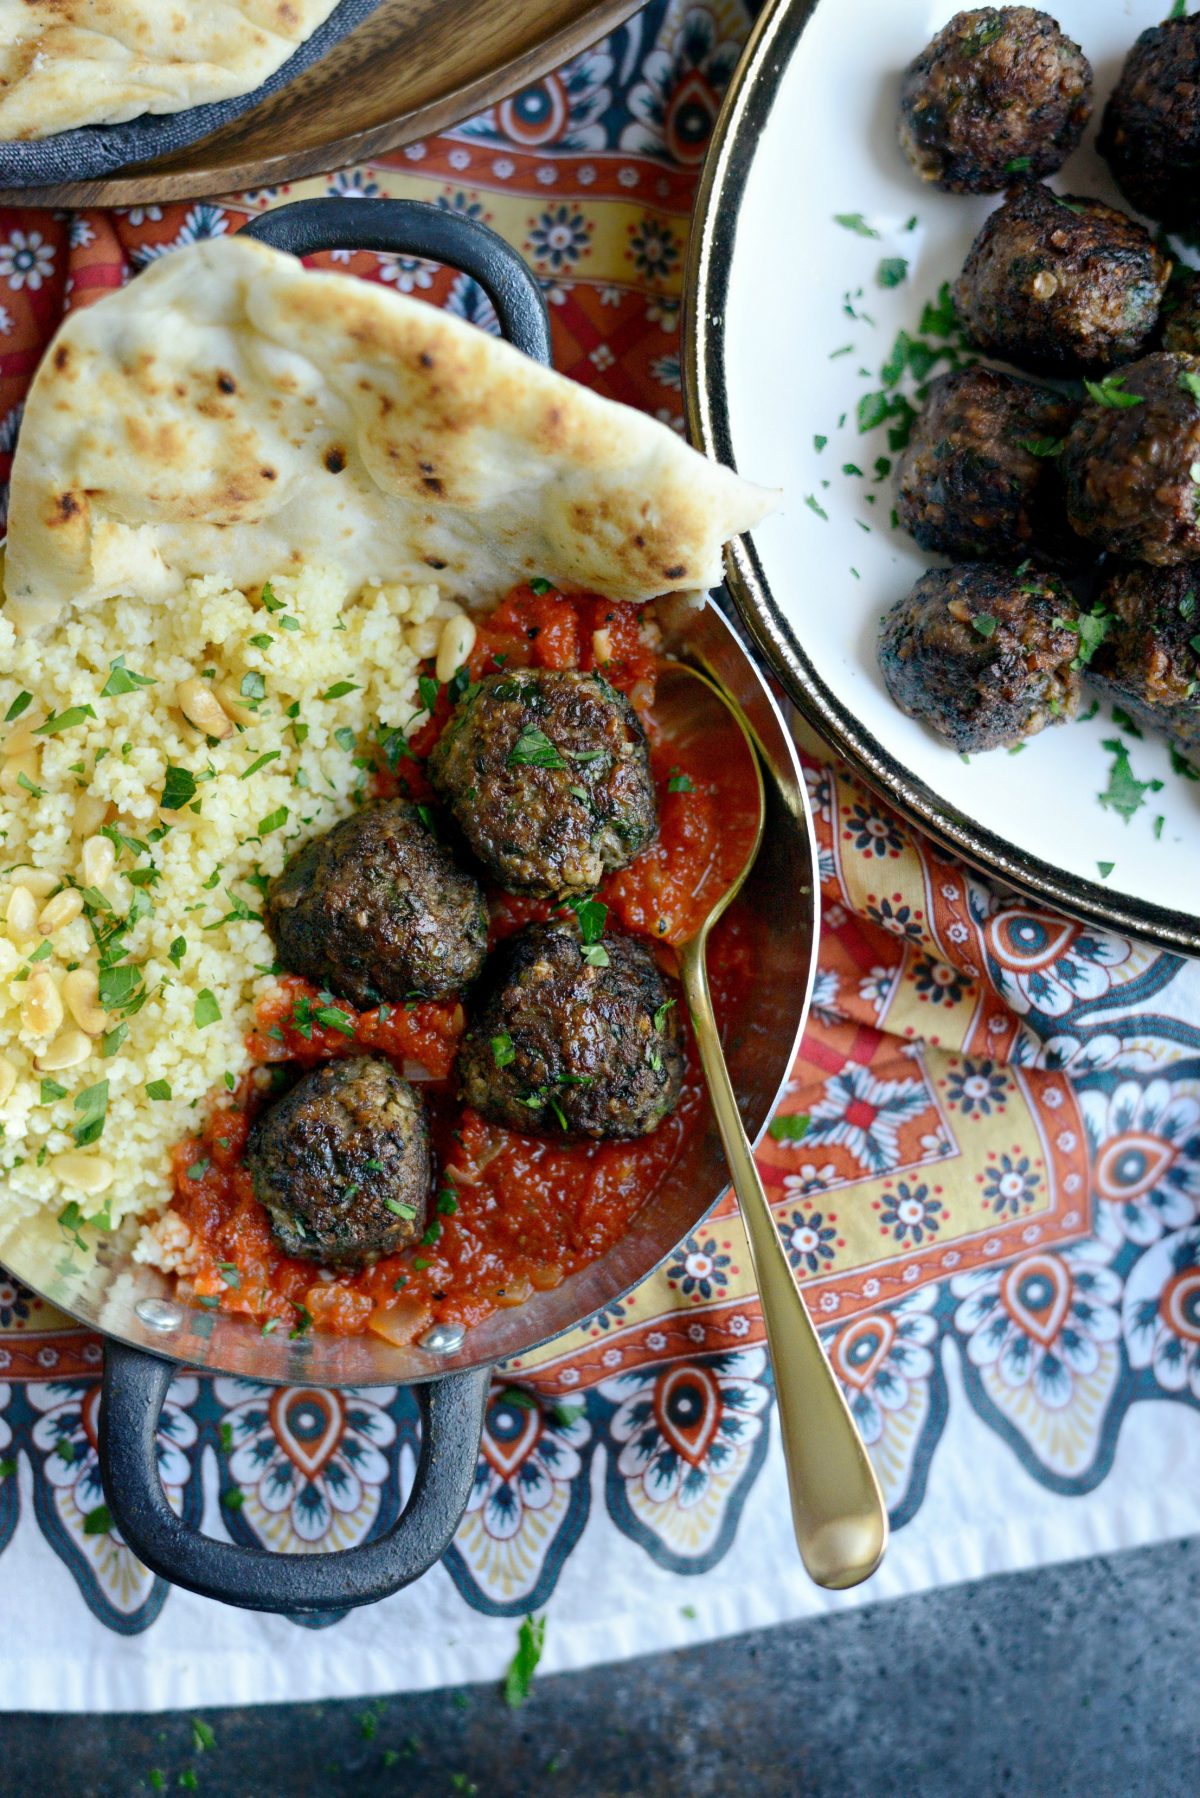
(417, 228)
(131, 1401)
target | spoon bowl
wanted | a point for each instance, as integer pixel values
(837, 1508)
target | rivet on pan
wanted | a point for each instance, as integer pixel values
(159, 1314)
(442, 1339)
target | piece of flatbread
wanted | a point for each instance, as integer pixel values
(231, 412)
(65, 63)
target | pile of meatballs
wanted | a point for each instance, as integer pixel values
(1071, 513)
(545, 775)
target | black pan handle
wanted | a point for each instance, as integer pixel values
(135, 1386)
(417, 228)
(452, 1406)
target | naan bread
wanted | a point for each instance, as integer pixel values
(231, 412)
(98, 62)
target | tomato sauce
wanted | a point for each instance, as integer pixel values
(509, 1214)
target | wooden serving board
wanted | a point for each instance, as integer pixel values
(413, 68)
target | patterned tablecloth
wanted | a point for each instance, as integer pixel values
(995, 1207)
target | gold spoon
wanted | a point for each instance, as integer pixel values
(837, 1508)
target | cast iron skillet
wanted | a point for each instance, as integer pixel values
(135, 1306)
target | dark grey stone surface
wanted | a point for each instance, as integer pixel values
(1071, 1682)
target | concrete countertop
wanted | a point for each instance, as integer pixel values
(1074, 1680)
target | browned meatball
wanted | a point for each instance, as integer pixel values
(999, 94)
(342, 1163)
(1131, 465)
(564, 1044)
(1181, 316)
(548, 776)
(982, 654)
(1064, 286)
(1150, 132)
(1149, 661)
(979, 476)
(376, 909)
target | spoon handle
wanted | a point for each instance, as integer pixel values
(837, 1508)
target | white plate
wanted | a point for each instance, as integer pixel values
(808, 131)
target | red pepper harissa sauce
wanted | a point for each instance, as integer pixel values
(512, 1214)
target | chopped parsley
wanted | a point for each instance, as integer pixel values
(178, 788)
(984, 623)
(814, 505)
(206, 1010)
(660, 1016)
(177, 951)
(1190, 382)
(854, 221)
(530, 1640)
(538, 585)
(51, 1090)
(269, 755)
(892, 271)
(339, 689)
(273, 821)
(158, 1089)
(91, 1104)
(1091, 629)
(1124, 794)
(428, 690)
(1106, 869)
(123, 680)
(790, 1128)
(1111, 392)
(60, 721)
(503, 1052)
(1018, 165)
(20, 704)
(534, 748)
(1043, 447)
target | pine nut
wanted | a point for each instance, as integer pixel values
(89, 1174)
(1045, 285)
(13, 768)
(231, 702)
(9, 958)
(602, 645)
(454, 646)
(21, 913)
(8, 1078)
(90, 813)
(63, 909)
(200, 706)
(41, 1008)
(40, 881)
(22, 738)
(67, 1050)
(97, 859)
(81, 991)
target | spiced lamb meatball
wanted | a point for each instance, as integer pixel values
(376, 909)
(547, 774)
(1149, 660)
(979, 476)
(342, 1163)
(562, 1044)
(1181, 316)
(1061, 286)
(982, 654)
(1132, 458)
(998, 95)
(1150, 133)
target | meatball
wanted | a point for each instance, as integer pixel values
(547, 774)
(979, 475)
(1150, 132)
(1149, 660)
(566, 1044)
(1000, 93)
(1132, 459)
(982, 654)
(1181, 316)
(342, 1163)
(376, 909)
(1064, 286)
